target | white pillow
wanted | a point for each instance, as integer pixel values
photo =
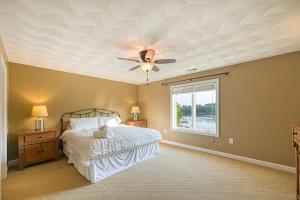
(112, 122)
(118, 119)
(84, 123)
(109, 121)
(102, 120)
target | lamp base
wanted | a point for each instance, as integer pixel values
(39, 124)
(135, 117)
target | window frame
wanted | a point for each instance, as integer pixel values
(194, 130)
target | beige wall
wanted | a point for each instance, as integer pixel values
(61, 92)
(257, 102)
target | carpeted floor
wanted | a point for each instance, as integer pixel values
(175, 174)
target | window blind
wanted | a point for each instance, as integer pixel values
(194, 88)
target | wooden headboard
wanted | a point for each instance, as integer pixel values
(92, 112)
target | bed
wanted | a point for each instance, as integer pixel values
(98, 158)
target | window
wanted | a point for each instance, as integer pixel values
(195, 107)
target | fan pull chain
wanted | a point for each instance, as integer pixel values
(147, 78)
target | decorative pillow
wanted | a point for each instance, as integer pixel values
(118, 119)
(102, 120)
(112, 122)
(84, 123)
(109, 121)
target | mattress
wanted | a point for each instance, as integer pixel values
(125, 138)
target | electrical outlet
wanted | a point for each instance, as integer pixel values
(231, 141)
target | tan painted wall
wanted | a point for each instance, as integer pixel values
(61, 92)
(257, 102)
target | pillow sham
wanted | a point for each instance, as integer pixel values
(102, 121)
(112, 122)
(109, 121)
(84, 123)
(118, 119)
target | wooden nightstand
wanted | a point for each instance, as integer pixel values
(38, 146)
(138, 123)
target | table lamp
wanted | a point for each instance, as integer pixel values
(135, 110)
(39, 112)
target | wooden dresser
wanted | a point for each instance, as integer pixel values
(296, 143)
(38, 146)
(138, 123)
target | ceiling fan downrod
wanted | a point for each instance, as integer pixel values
(147, 78)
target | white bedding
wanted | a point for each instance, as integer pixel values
(125, 138)
(98, 169)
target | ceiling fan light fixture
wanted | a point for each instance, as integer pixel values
(146, 66)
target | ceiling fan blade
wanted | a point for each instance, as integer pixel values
(134, 68)
(155, 68)
(164, 61)
(129, 59)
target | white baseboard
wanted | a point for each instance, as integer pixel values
(236, 157)
(12, 163)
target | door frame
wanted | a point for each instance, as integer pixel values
(3, 118)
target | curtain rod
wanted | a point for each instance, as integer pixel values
(192, 79)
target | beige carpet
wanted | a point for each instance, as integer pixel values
(175, 174)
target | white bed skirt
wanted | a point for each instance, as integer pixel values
(97, 169)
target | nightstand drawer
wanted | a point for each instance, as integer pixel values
(42, 151)
(32, 153)
(39, 137)
(139, 123)
(48, 150)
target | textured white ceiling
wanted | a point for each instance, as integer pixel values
(86, 37)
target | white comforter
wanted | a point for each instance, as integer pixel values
(125, 138)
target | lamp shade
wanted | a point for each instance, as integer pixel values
(39, 111)
(135, 109)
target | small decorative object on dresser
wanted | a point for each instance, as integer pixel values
(38, 146)
(296, 143)
(39, 112)
(138, 123)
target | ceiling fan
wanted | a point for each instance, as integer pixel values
(147, 63)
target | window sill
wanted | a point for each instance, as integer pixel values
(191, 131)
